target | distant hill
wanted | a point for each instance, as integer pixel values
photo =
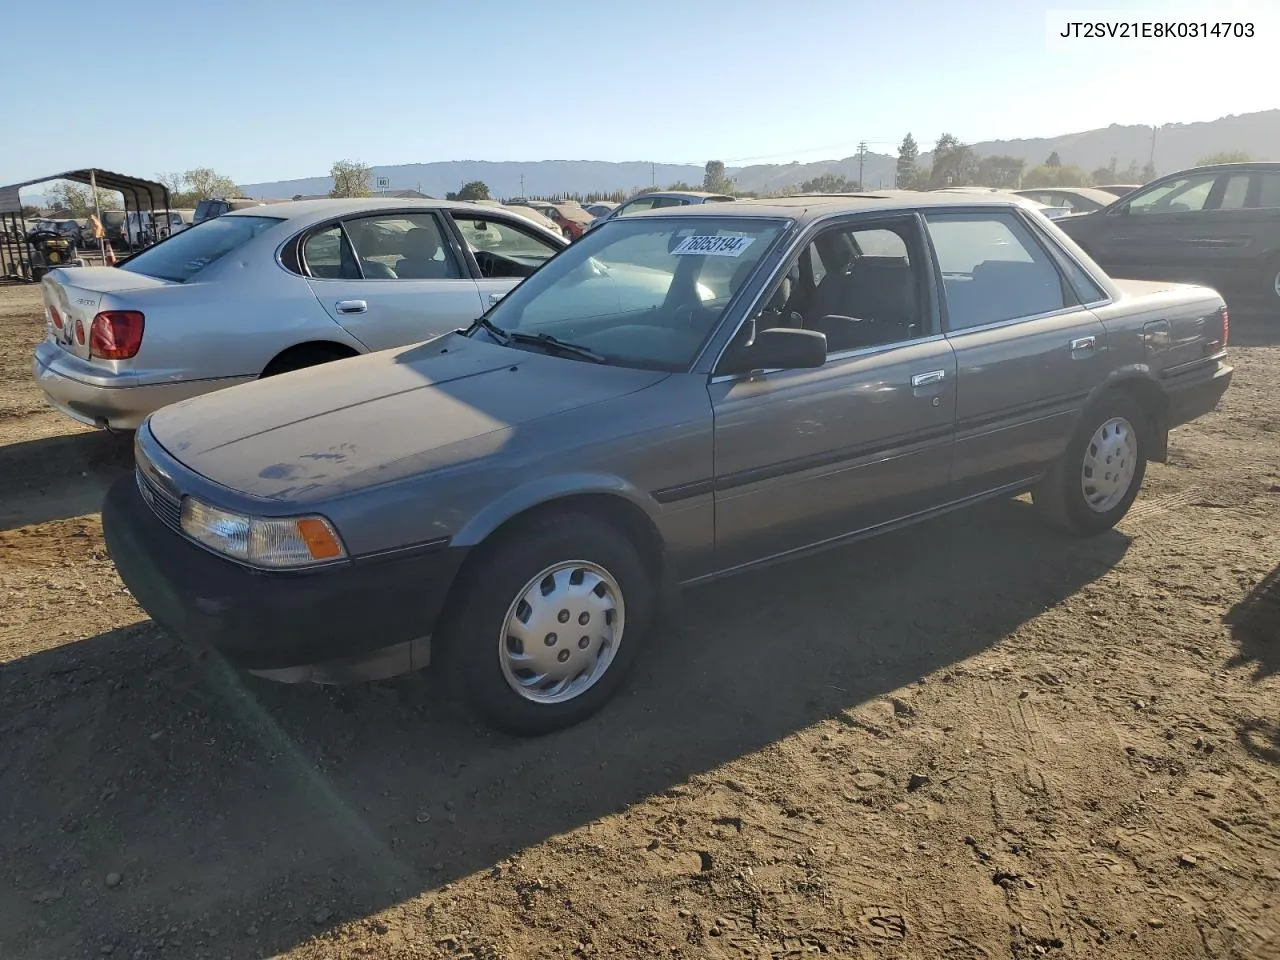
(1177, 145)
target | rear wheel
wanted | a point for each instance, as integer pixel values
(1094, 483)
(547, 622)
(306, 355)
(1269, 286)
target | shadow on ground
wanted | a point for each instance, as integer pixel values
(242, 816)
(1255, 626)
(1254, 326)
(54, 478)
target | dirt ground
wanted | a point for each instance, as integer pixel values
(972, 739)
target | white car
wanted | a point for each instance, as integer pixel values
(269, 289)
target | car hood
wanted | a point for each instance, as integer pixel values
(374, 419)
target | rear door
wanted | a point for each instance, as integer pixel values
(1028, 350)
(390, 279)
(500, 251)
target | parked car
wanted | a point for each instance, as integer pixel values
(660, 200)
(1119, 189)
(310, 282)
(681, 395)
(531, 214)
(1217, 225)
(67, 229)
(1074, 199)
(217, 206)
(599, 208)
(572, 219)
(148, 226)
(1052, 212)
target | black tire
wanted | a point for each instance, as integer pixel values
(468, 640)
(1060, 496)
(307, 355)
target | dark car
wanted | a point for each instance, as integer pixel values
(1217, 225)
(1074, 199)
(680, 395)
(1119, 189)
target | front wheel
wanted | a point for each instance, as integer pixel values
(547, 622)
(1094, 483)
(1270, 284)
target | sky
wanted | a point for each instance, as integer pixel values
(281, 89)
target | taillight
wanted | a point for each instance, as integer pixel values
(1226, 326)
(116, 334)
(56, 317)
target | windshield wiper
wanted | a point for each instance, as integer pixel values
(491, 328)
(548, 342)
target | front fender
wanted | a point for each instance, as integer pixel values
(545, 490)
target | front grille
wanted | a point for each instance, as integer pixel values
(162, 503)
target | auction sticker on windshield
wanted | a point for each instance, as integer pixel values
(714, 246)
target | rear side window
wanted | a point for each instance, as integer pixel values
(1269, 192)
(1235, 192)
(993, 269)
(185, 254)
(408, 246)
(328, 256)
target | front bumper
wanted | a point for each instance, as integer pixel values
(362, 619)
(100, 398)
(1195, 393)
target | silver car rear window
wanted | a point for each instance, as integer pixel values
(185, 254)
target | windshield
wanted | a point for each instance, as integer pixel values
(185, 254)
(645, 292)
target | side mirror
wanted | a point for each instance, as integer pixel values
(781, 348)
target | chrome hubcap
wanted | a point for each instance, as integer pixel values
(1275, 282)
(1109, 463)
(561, 632)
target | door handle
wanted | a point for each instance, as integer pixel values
(1083, 345)
(924, 379)
(352, 306)
(495, 297)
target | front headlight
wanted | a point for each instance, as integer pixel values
(262, 541)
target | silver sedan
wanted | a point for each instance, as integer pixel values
(271, 289)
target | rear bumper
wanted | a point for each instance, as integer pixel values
(1195, 393)
(101, 399)
(366, 619)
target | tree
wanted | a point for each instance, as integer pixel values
(1059, 176)
(475, 190)
(681, 185)
(1054, 160)
(1148, 172)
(714, 179)
(203, 183)
(29, 212)
(1000, 171)
(1223, 156)
(829, 183)
(953, 163)
(351, 178)
(75, 200)
(908, 173)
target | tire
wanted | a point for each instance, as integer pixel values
(482, 655)
(299, 358)
(1116, 425)
(1269, 286)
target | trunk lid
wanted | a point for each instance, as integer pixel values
(77, 293)
(373, 419)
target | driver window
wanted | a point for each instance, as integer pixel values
(1183, 195)
(501, 249)
(859, 286)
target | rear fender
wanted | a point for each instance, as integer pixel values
(1140, 381)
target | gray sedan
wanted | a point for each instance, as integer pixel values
(679, 396)
(268, 289)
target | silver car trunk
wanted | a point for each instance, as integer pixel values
(77, 294)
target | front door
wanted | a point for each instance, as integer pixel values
(1027, 351)
(390, 280)
(808, 456)
(504, 253)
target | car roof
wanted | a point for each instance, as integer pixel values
(1261, 165)
(810, 206)
(679, 193)
(303, 212)
(1101, 196)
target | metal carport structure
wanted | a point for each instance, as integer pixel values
(138, 194)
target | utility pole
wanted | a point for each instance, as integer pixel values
(862, 157)
(653, 174)
(522, 196)
(1151, 161)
